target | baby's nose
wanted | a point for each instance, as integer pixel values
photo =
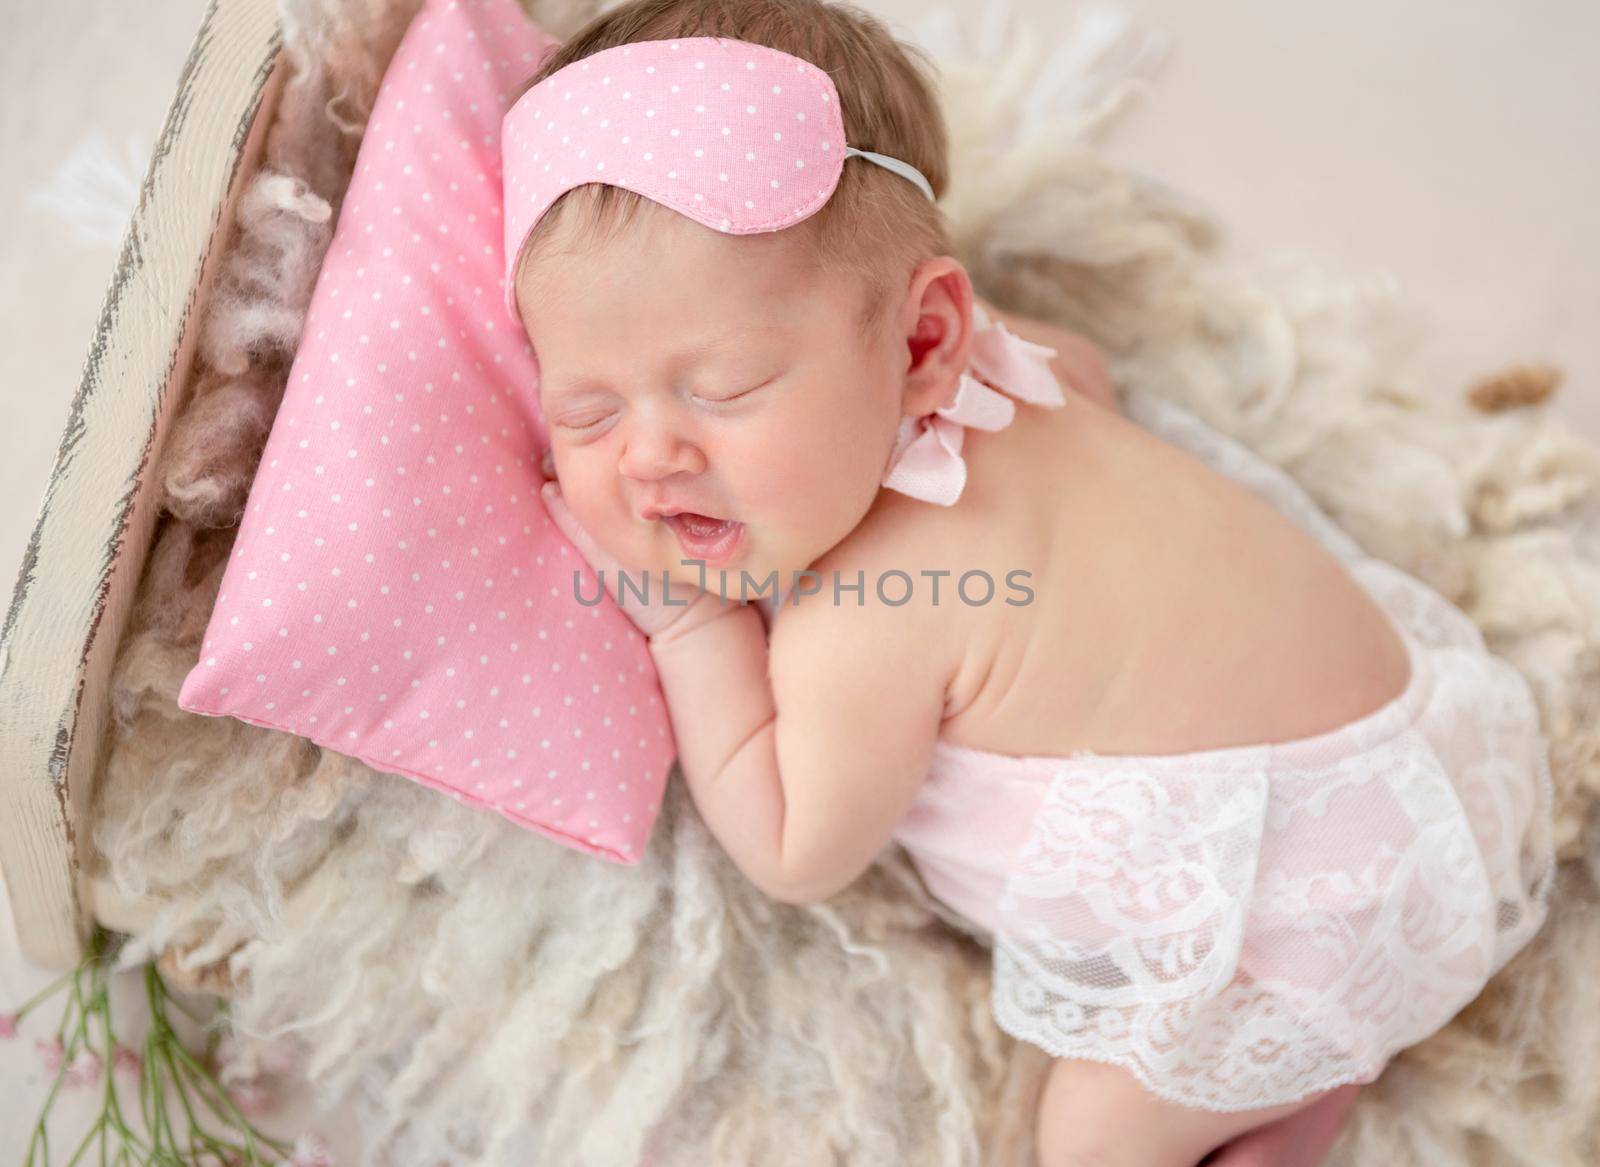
(651, 456)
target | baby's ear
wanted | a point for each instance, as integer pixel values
(937, 325)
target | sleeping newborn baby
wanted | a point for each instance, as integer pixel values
(1240, 820)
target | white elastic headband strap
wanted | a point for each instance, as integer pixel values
(903, 169)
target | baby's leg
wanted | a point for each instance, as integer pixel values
(1301, 1140)
(1091, 1113)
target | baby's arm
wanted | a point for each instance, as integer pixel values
(712, 665)
(803, 757)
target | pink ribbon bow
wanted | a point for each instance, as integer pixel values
(927, 462)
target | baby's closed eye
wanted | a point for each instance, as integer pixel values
(735, 395)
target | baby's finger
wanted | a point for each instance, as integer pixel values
(547, 465)
(561, 514)
(568, 523)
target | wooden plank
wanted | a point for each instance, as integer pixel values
(119, 912)
(82, 565)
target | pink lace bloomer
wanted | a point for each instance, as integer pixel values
(1243, 927)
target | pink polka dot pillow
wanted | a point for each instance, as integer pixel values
(397, 591)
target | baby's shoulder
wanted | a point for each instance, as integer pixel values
(858, 653)
(898, 553)
(888, 585)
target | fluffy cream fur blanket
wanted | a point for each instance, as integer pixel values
(494, 998)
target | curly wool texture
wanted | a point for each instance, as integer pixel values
(494, 998)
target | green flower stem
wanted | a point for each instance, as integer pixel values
(111, 1108)
(184, 1009)
(211, 1141)
(203, 1084)
(174, 1055)
(73, 1012)
(84, 1145)
(206, 1088)
(49, 990)
(163, 1055)
(108, 1104)
(164, 1111)
(149, 1086)
(156, 1119)
(41, 1136)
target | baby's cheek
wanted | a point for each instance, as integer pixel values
(785, 480)
(817, 495)
(595, 507)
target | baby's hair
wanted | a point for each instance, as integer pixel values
(877, 226)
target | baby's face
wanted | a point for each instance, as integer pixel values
(705, 373)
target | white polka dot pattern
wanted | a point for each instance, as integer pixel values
(397, 592)
(737, 136)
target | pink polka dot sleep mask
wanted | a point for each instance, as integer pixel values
(737, 136)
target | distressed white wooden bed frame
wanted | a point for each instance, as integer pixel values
(83, 563)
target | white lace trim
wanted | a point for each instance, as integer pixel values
(1245, 927)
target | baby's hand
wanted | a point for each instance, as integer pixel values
(653, 618)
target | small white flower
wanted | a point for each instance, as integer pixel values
(311, 1150)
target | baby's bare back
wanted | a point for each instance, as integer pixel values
(1173, 611)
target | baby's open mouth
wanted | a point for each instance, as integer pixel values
(706, 537)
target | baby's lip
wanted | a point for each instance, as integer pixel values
(715, 546)
(661, 512)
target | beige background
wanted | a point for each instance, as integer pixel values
(1453, 145)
